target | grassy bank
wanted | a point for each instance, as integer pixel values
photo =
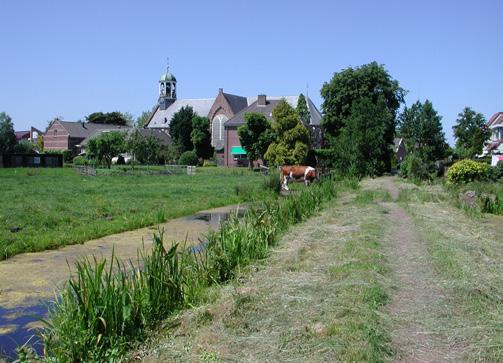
(104, 310)
(489, 196)
(48, 208)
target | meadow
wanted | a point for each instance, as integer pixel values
(48, 208)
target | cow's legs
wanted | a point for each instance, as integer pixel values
(285, 182)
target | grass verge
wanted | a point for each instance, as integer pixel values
(467, 256)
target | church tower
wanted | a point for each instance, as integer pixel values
(167, 89)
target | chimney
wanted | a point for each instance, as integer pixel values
(220, 90)
(261, 100)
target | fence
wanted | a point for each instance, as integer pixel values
(91, 170)
(32, 160)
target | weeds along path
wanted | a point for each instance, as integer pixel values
(418, 300)
(316, 299)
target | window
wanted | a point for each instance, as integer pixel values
(217, 131)
(55, 132)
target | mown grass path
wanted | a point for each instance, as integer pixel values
(417, 298)
(315, 299)
(392, 272)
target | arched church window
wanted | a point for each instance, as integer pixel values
(217, 131)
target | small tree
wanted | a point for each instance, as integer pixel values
(201, 137)
(141, 121)
(292, 143)
(180, 128)
(303, 110)
(255, 135)
(470, 132)
(106, 146)
(143, 149)
(7, 135)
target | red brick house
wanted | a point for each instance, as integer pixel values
(233, 151)
(66, 135)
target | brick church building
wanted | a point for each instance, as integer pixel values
(226, 113)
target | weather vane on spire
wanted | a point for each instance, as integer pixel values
(167, 65)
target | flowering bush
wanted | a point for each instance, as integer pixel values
(465, 171)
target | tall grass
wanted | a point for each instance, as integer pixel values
(108, 305)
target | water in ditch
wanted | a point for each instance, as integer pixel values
(29, 281)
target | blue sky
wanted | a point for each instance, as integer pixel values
(68, 58)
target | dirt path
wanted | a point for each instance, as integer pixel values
(417, 295)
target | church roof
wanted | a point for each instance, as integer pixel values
(237, 103)
(162, 118)
(167, 77)
(266, 110)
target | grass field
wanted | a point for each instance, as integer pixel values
(54, 207)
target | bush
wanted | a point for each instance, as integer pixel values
(80, 160)
(465, 171)
(209, 163)
(496, 172)
(413, 167)
(188, 158)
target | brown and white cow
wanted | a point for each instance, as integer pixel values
(296, 172)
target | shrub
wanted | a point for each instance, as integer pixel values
(188, 158)
(465, 171)
(209, 163)
(80, 160)
(496, 172)
(414, 167)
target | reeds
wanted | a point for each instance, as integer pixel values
(107, 305)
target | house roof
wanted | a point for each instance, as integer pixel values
(162, 118)
(20, 135)
(496, 119)
(82, 130)
(266, 110)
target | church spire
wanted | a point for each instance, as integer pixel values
(167, 88)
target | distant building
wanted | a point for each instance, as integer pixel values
(400, 150)
(225, 113)
(234, 152)
(68, 135)
(494, 146)
(28, 135)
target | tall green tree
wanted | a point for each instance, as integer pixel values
(180, 128)
(255, 135)
(7, 135)
(201, 137)
(106, 146)
(113, 118)
(292, 138)
(361, 148)
(303, 110)
(470, 133)
(421, 127)
(371, 81)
